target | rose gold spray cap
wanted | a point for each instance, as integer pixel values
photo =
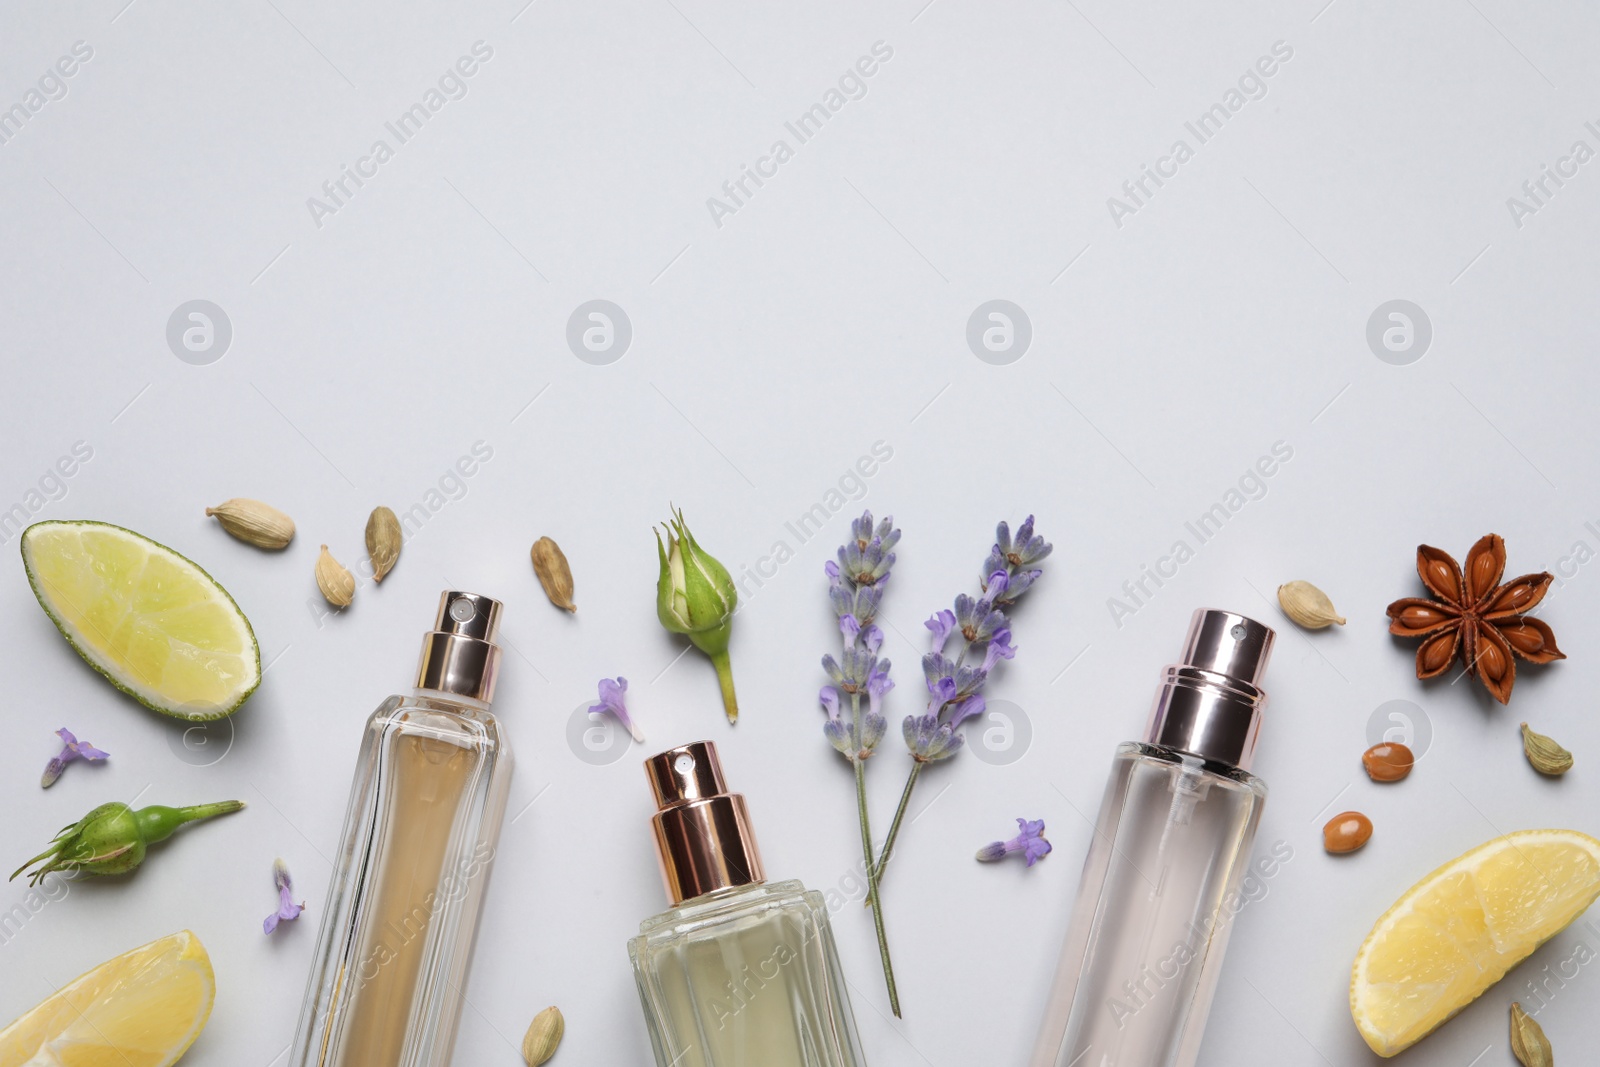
(459, 654)
(703, 835)
(1210, 705)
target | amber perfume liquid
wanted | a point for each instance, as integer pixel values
(413, 862)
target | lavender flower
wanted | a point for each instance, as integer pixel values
(287, 908)
(72, 749)
(612, 699)
(970, 708)
(930, 740)
(856, 582)
(954, 686)
(866, 558)
(878, 683)
(977, 620)
(1000, 648)
(1016, 556)
(1030, 842)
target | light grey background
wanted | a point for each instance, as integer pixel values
(829, 312)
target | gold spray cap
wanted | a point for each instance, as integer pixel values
(703, 835)
(459, 654)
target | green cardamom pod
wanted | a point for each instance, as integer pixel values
(1546, 756)
(1528, 1042)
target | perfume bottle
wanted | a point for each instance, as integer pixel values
(1152, 918)
(419, 836)
(740, 972)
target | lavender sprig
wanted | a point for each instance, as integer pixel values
(855, 589)
(955, 686)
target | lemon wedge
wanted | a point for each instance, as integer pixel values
(160, 628)
(143, 1008)
(1459, 930)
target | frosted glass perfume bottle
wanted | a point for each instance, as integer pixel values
(1150, 926)
(739, 972)
(419, 836)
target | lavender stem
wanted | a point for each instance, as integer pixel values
(899, 815)
(866, 854)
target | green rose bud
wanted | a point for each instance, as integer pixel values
(112, 838)
(695, 597)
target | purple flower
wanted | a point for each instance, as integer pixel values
(941, 691)
(977, 619)
(878, 684)
(995, 584)
(856, 583)
(1025, 549)
(865, 559)
(72, 749)
(287, 908)
(851, 676)
(1000, 647)
(612, 699)
(872, 638)
(930, 740)
(970, 708)
(1030, 842)
(968, 679)
(829, 696)
(943, 624)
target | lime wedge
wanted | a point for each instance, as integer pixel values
(160, 628)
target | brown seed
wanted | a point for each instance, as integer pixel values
(1492, 660)
(555, 575)
(1389, 761)
(1524, 638)
(337, 584)
(254, 523)
(543, 1036)
(384, 538)
(1545, 755)
(1346, 832)
(1437, 650)
(1528, 1043)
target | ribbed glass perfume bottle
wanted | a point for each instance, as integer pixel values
(740, 972)
(419, 836)
(1149, 927)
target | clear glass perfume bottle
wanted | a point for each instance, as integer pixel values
(1144, 948)
(739, 973)
(419, 836)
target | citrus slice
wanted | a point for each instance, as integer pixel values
(158, 626)
(1459, 930)
(143, 1008)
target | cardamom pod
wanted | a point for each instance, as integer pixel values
(254, 523)
(1544, 754)
(384, 538)
(337, 584)
(1307, 606)
(1528, 1042)
(544, 1034)
(550, 564)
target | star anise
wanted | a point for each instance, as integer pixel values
(1476, 615)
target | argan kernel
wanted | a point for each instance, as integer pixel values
(1388, 761)
(1346, 832)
